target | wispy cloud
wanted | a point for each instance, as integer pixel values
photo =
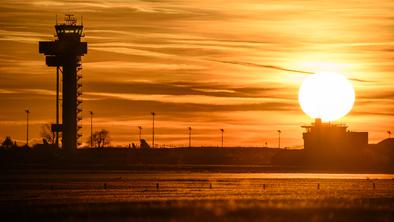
(264, 66)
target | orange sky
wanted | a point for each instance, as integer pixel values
(206, 64)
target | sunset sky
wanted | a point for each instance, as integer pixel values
(207, 64)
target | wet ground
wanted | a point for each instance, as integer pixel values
(191, 196)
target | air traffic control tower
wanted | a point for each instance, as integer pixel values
(65, 53)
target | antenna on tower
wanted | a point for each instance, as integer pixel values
(70, 19)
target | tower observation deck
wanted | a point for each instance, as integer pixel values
(65, 53)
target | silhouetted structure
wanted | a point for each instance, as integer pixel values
(327, 141)
(66, 52)
(27, 126)
(140, 132)
(91, 129)
(190, 136)
(222, 131)
(153, 129)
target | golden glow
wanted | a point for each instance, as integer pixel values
(207, 64)
(328, 96)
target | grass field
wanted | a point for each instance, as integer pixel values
(191, 196)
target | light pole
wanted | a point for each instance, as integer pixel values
(190, 136)
(153, 129)
(57, 107)
(27, 126)
(91, 129)
(389, 132)
(140, 129)
(279, 132)
(222, 130)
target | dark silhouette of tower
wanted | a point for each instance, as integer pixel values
(65, 54)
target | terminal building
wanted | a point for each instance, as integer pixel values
(325, 141)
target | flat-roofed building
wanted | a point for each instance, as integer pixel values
(325, 141)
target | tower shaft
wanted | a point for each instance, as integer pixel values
(69, 114)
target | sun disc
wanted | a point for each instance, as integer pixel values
(328, 96)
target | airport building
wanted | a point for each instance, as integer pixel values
(332, 139)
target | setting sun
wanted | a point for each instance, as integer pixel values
(199, 110)
(328, 96)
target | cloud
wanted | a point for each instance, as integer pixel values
(140, 65)
(284, 69)
(264, 66)
(361, 80)
(191, 99)
(187, 88)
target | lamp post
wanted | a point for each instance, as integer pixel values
(190, 136)
(27, 126)
(57, 107)
(279, 132)
(222, 131)
(153, 129)
(140, 132)
(91, 129)
(389, 132)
